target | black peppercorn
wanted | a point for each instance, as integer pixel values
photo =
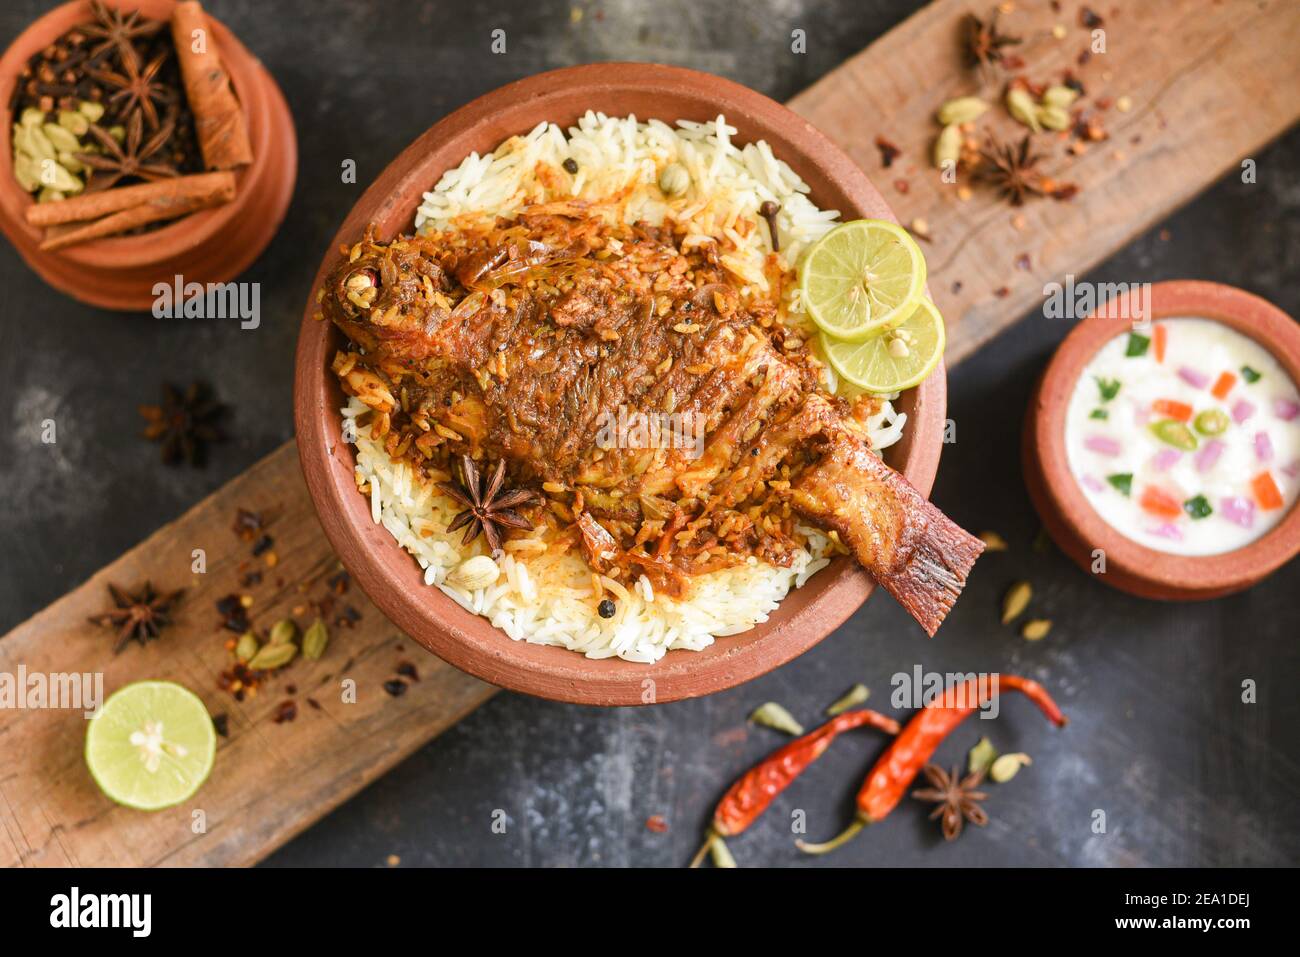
(606, 608)
(571, 166)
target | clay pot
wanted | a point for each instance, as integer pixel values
(1066, 513)
(212, 245)
(393, 579)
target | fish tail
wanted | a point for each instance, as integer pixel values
(934, 574)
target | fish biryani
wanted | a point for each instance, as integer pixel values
(583, 396)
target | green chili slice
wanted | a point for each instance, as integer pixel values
(1249, 374)
(1173, 432)
(1099, 414)
(1212, 422)
(1137, 345)
(1122, 481)
(1109, 388)
(1197, 506)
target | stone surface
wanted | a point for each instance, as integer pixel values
(1159, 739)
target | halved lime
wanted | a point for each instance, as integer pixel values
(892, 360)
(861, 277)
(151, 745)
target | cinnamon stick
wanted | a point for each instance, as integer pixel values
(160, 208)
(219, 120)
(89, 206)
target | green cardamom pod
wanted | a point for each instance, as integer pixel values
(63, 139)
(963, 109)
(772, 715)
(246, 647)
(1060, 96)
(1016, 601)
(851, 699)
(1022, 108)
(91, 110)
(314, 640)
(283, 631)
(947, 148)
(1053, 118)
(273, 656)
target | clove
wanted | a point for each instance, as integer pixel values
(768, 211)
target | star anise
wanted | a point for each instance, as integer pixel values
(137, 88)
(486, 509)
(984, 42)
(117, 31)
(132, 157)
(1011, 169)
(957, 799)
(184, 422)
(140, 617)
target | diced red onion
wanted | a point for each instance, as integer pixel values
(1263, 447)
(1197, 380)
(1092, 483)
(1167, 530)
(1238, 510)
(1164, 459)
(1293, 469)
(1102, 445)
(1285, 409)
(1242, 410)
(1208, 455)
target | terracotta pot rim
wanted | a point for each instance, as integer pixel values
(118, 272)
(387, 573)
(1067, 511)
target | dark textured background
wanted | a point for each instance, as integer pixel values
(1158, 739)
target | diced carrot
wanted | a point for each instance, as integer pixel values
(1161, 336)
(1161, 503)
(1223, 385)
(1266, 491)
(1173, 409)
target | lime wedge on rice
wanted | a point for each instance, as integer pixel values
(861, 277)
(151, 745)
(894, 359)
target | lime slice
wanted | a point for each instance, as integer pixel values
(861, 277)
(151, 745)
(895, 359)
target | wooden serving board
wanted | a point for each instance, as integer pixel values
(1209, 84)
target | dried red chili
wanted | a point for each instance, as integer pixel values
(907, 754)
(758, 787)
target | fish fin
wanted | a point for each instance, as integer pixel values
(934, 574)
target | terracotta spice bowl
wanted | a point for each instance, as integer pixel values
(212, 245)
(1066, 513)
(394, 580)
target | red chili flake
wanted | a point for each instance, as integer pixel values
(1083, 57)
(250, 578)
(263, 544)
(1103, 102)
(1089, 18)
(1013, 61)
(1074, 83)
(656, 823)
(395, 688)
(221, 722)
(1002, 292)
(1165, 235)
(1056, 6)
(956, 286)
(339, 582)
(286, 711)
(902, 186)
(888, 152)
(407, 670)
(314, 703)
(247, 524)
(1065, 191)
(1022, 262)
(290, 689)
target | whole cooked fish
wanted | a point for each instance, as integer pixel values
(669, 420)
